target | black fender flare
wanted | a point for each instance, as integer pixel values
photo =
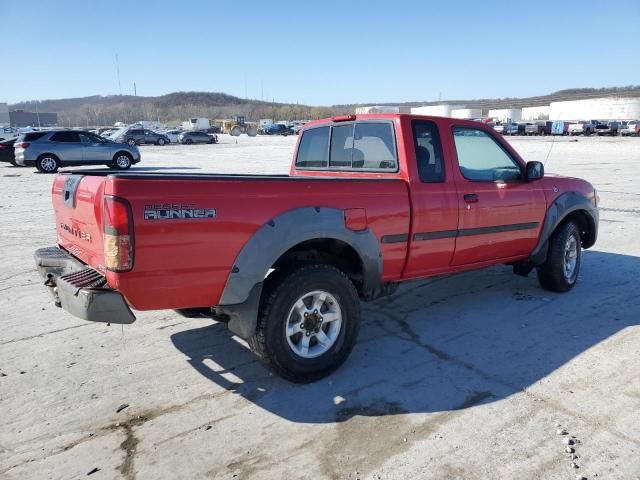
(558, 210)
(240, 298)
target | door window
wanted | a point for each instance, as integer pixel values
(426, 140)
(65, 137)
(482, 159)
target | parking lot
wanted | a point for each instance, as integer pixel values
(468, 376)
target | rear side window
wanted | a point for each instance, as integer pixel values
(363, 146)
(426, 140)
(33, 136)
(313, 151)
(65, 137)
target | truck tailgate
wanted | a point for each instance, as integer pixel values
(77, 202)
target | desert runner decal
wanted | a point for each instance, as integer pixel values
(177, 211)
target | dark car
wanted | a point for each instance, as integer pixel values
(277, 129)
(607, 128)
(7, 152)
(538, 128)
(189, 138)
(140, 136)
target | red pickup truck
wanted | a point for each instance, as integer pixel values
(371, 201)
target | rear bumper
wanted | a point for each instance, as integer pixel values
(80, 290)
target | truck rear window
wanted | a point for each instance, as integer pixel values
(365, 146)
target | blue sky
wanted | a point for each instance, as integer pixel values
(317, 52)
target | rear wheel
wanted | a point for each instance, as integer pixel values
(559, 272)
(47, 163)
(122, 161)
(131, 142)
(308, 323)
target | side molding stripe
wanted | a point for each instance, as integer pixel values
(397, 238)
(473, 231)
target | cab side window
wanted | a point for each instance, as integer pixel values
(482, 159)
(426, 141)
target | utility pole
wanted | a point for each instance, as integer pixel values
(37, 114)
(135, 90)
(118, 72)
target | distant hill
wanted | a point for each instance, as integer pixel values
(559, 96)
(174, 108)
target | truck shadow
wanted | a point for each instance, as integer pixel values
(439, 345)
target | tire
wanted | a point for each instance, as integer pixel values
(131, 142)
(47, 163)
(235, 131)
(554, 274)
(285, 354)
(122, 161)
(188, 141)
(161, 142)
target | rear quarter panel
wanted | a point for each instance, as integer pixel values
(185, 263)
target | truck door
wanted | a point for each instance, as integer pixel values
(434, 202)
(500, 213)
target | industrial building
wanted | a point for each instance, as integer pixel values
(610, 108)
(436, 110)
(20, 118)
(4, 115)
(466, 113)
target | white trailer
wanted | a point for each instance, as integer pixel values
(466, 113)
(196, 124)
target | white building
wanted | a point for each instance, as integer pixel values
(466, 113)
(4, 115)
(610, 108)
(535, 113)
(435, 110)
(506, 114)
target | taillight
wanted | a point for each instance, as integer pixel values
(24, 144)
(117, 221)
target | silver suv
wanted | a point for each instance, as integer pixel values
(48, 151)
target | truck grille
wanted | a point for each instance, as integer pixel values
(87, 278)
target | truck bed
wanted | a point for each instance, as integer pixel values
(198, 253)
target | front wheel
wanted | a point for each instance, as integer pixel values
(161, 141)
(308, 323)
(559, 272)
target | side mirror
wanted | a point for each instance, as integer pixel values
(535, 170)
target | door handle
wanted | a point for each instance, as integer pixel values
(471, 197)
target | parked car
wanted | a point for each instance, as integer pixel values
(559, 127)
(7, 151)
(507, 128)
(277, 129)
(607, 128)
(632, 129)
(141, 136)
(581, 128)
(189, 138)
(358, 214)
(50, 150)
(541, 128)
(173, 135)
(7, 132)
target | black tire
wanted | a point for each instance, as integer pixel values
(47, 163)
(131, 142)
(270, 342)
(188, 141)
(122, 161)
(552, 274)
(161, 142)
